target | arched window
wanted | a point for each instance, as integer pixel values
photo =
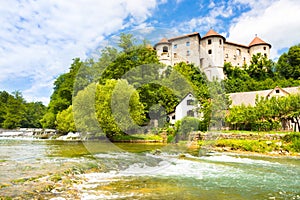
(209, 51)
(165, 49)
(209, 41)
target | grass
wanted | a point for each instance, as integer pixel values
(137, 137)
(255, 132)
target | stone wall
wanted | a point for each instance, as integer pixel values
(239, 136)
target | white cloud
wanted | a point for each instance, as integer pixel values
(276, 22)
(40, 38)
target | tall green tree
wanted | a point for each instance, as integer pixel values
(15, 111)
(288, 65)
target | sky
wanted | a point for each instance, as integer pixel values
(40, 38)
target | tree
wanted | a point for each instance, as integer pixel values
(65, 120)
(118, 109)
(260, 67)
(288, 65)
(15, 111)
(34, 112)
(61, 97)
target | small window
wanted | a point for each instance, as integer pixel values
(165, 49)
(238, 52)
(190, 113)
(188, 52)
(234, 57)
(220, 41)
(209, 41)
(190, 102)
(175, 46)
(265, 48)
(209, 51)
(188, 44)
(244, 59)
(265, 54)
(175, 55)
(226, 55)
(277, 91)
(173, 117)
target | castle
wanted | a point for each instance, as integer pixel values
(210, 52)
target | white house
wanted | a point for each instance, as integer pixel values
(188, 106)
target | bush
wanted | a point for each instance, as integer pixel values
(185, 126)
(294, 139)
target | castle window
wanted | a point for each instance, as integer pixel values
(188, 52)
(209, 51)
(209, 41)
(226, 55)
(165, 49)
(277, 91)
(190, 102)
(265, 54)
(187, 44)
(175, 55)
(238, 52)
(175, 46)
(234, 57)
(265, 48)
(190, 113)
(220, 41)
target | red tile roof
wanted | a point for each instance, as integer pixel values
(164, 40)
(211, 32)
(257, 41)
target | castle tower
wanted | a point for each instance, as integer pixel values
(163, 48)
(259, 46)
(212, 55)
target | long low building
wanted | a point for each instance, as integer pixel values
(248, 98)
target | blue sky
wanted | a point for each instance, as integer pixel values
(39, 39)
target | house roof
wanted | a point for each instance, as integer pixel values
(212, 33)
(258, 41)
(236, 44)
(186, 35)
(163, 40)
(248, 98)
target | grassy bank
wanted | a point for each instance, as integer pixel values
(288, 145)
(138, 138)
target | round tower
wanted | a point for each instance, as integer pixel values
(212, 54)
(259, 46)
(163, 49)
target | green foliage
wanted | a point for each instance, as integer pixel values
(260, 68)
(185, 126)
(128, 111)
(267, 114)
(261, 74)
(62, 95)
(247, 145)
(16, 112)
(65, 120)
(288, 65)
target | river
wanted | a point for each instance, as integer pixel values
(147, 171)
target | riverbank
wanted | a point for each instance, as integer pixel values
(60, 170)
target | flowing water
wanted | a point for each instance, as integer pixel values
(150, 171)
